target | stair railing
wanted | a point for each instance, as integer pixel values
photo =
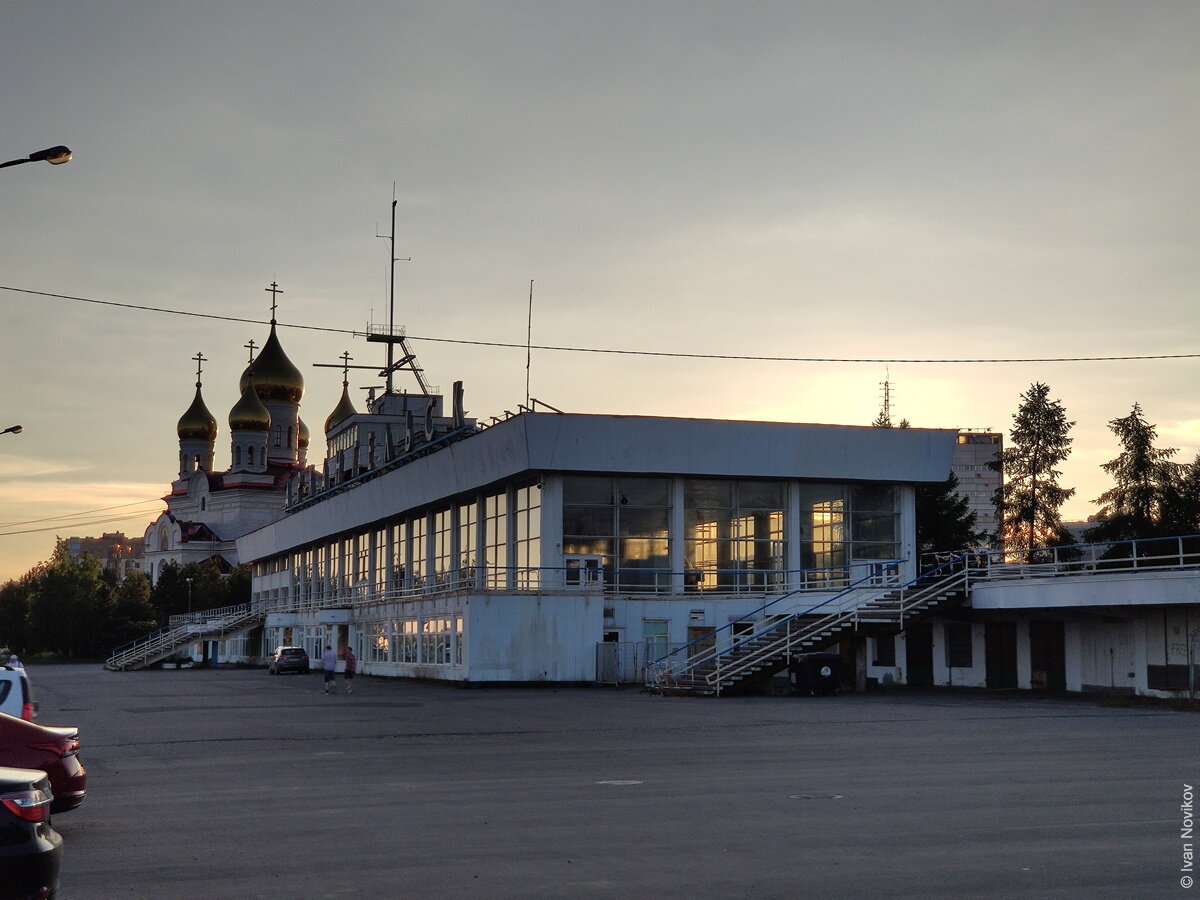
(782, 637)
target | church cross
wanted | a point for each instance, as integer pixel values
(346, 357)
(273, 290)
(200, 361)
(251, 346)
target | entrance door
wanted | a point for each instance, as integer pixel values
(701, 640)
(584, 571)
(1047, 656)
(1000, 647)
(918, 653)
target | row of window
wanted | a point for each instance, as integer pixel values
(736, 534)
(435, 641)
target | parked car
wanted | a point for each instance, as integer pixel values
(289, 659)
(55, 751)
(31, 850)
(16, 697)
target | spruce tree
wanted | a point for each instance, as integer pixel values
(1142, 475)
(944, 518)
(1029, 500)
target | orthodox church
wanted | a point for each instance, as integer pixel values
(207, 510)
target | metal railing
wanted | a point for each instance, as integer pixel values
(1145, 554)
(730, 660)
(557, 579)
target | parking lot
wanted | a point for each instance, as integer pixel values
(232, 783)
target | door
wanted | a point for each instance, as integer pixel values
(918, 654)
(1047, 656)
(1000, 648)
(584, 571)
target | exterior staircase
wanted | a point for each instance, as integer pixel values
(858, 609)
(210, 625)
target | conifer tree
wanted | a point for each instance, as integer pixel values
(944, 518)
(1142, 475)
(1029, 500)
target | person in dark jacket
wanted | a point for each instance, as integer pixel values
(351, 668)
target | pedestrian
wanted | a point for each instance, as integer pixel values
(351, 668)
(14, 663)
(329, 666)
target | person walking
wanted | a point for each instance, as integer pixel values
(351, 668)
(329, 666)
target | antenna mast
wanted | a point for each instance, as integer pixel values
(409, 360)
(529, 342)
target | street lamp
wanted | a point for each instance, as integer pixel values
(56, 156)
(13, 429)
(189, 581)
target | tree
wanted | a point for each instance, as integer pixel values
(132, 612)
(69, 605)
(1142, 473)
(1181, 500)
(1029, 500)
(14, 617)
(944, 518)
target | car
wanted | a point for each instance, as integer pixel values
(55, 751)
(289, 659)
(31, 850)
(16, 696)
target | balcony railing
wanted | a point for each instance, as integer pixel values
(546, 579)
(1142, 555)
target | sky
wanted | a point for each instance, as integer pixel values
(841, 180)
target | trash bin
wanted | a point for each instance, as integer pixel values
(816, 673)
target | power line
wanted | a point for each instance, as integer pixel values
(83, 523)
(651, 353)
(82, 512)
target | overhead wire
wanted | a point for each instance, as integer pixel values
(609, 350)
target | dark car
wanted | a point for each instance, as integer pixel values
(30, 850)
(55, 751)
(289, 659)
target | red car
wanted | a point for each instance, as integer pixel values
(26, 745)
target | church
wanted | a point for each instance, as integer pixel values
(209, 509)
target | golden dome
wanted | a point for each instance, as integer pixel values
(301, 433)
(275, 377)
(197, 424)
(344, 410)
(249, 414)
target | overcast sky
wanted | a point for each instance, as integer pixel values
(867, 180)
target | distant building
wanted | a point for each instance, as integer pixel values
(115, 551)
(977, 480)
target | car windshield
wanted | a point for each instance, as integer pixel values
(292, 653)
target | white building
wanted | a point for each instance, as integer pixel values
(509, 553)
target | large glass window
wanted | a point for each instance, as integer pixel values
(419, 550)
(399, 537)
(443, 535)
(468, 541)
(624, 523)
(527, 536)
(823, 522)
(734, 534)
(495, 540)
(874, 522)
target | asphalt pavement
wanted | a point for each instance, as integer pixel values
(233, 783)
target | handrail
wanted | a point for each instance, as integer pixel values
(927, 583)
(754, 613)
(542, 579)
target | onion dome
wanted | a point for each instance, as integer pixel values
(197, 424)
(344, 410)
(275, 377)
(301, 433)
(249, 414)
